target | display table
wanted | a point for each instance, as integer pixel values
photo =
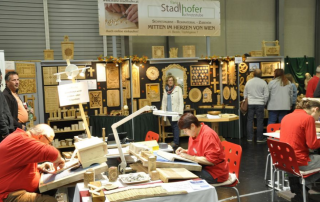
(215, 122)
(204, 194)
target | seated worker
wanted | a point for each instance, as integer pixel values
(204, 148)
(19, 171)
(298, 129)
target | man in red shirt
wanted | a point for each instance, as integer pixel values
(20, 154)
(204, 148)
(312, 84)
(298, 129)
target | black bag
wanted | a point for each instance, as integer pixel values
(244, 106)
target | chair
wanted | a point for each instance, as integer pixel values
(233, 153)
(152, 136)
(284, 158)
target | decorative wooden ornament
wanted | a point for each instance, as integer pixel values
(189, 51)
(135, 108)
(152, 73)
(48, 77)
(144, 102)
(112, 75)
(48, 54)
(233, 93)
(88, 177)
(199, 75)
(232, 73)
(157, 51)
(214, 70)
(226, 93)
(250, 76)
(153, 92)
(215, 82)
(26, 70)
(243, 67)
(67, 48)
(173, 52)
(224, 73)
(207, 95)
(125, 69)
(128, 89)
(241, 88)
(113, 174)
(95, 99)
(135, 81)
(195, 95)
(270, 50)
(268, 68)
(113, 98)
(27, 86)
(91, 70)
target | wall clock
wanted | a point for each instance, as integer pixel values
(152, 73)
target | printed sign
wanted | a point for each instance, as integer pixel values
(75, 93)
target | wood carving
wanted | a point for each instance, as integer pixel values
(224, 73)
(125, 69)
(173, 52)
(113, 99)
(189, 51)
(27, 86)
(128, 94)
(215, 82)
(112, 75)
(67, 48)
(152, 73)
(95, 99)
(270, 50)
(153, 92)
(226, 93)
(268, 68)
(195, 95)
(91, 70)
(26, 70)
(243, 67)
(207, 95)
(51, 98)
(135, 108)
(48, 77)
(233, 93)
(214, 70)
(65, 77)
(157, 51)
(124, 95)
(144, 102)
(232, 73)
(180, 73)
(48, 54)
(241, 88)
(135, 81)
(200, 75)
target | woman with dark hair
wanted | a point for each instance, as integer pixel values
(280, 97)
(205, 148)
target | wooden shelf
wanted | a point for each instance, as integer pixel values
(61, 120)
(69, 131)
(62, 147)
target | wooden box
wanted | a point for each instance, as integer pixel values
(270, 50)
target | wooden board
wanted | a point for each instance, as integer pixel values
(27, 86)
(48, 77)
(135, 81)
(144, 102)
(153, 92)
(51, 98)
(189, 51)
(226, 93)
(232, 73)
(112, 73)
(224, 73)
(195, 95)
(139, 167)
(167, 174)
(199, 75)
(52, 181)
(113, 99)
(128, 89)
(26, 70)
(95, 99)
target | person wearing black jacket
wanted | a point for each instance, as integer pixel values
(6, 120)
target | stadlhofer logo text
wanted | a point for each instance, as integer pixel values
(185, 10)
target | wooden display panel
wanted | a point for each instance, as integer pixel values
(95, 99)
(113, 99)
(48, 77)
(135, 81)
(224, 73)
(232, 73)
(189, 51)
(65, 77)
(157, 51)
(26, 70)
(128, 89)
(207, 95)
(112, 72)
(195, 95)
(135, 108)
(27, 86)
(200, 75)
(144, 102)
(153, 92)
(51, 98)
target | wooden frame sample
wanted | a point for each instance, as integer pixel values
(157, 51)
(27, 86)
(95, 99)
(51, 98)
(135, 81)
(199, 75)
(268, 68)
(224, 70)
(189, 51)
(232, 73)
(177, 71)
(153, 92)
(26, 70)
(112, 72)
(48, 77)
(65, 77)
(113, 98)
(144, 102)
(207, 95)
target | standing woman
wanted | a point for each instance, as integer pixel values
(172, 100)
(280, 97)
(294, 92)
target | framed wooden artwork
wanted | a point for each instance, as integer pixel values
(135, 81)
(268, 68)
(27, 86)
(95, 98)
(112, 72)
(226, 93)
(189, 51)
(243, 67)
(48, 77)
(144, 102)
(113, 98)
(48, 54)
(224, 70)
(128, 89)
(157, 51)
(51, 98)
(253, 66)
(67, 48)
(125, 70)
(207, 95)
(26, 70)
(153, 92)
(152, 73)
(232, 73)
(199, 75)
(65, 77)
(181, 75)
(195, 95)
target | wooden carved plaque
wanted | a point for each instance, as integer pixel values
(189, 51)
(157, 51)
(195, 95)
(95, 99)
(48, 77)
(226, 93)
(224, 73)
(232, 73)
(144, 102)
(135, 81)
(200, 75)
(26, 70)
(27, 86)
(207, 95)
(51, 98)
(128, 89)
(113, 99)
(153, 92)
(112, 75)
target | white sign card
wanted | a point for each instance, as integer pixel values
(237, 60)
(74, 93)
(92, 83)
(10, 65)
(101, 73)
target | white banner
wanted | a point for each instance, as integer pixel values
(159, 17)
(75, 93)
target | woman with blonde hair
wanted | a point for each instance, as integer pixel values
(172, 100)
(280, 97)
(294, 92)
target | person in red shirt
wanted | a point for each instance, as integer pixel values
(19, 171)
(312, 84)
(205, 148)
(298, 129)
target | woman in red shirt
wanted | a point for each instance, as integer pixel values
(204, 148)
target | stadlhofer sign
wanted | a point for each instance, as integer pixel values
(159, 17)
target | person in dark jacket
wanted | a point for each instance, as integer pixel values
(6, 120)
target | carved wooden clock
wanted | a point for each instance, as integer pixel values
(152, 73)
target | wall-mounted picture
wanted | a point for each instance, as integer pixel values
(153, 92)
(253, 66)
(200, 75)
(268, 68)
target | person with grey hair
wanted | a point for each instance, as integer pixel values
(6, 120)
(19, 171)
(313, 84)
(257, 92)
(316, 93)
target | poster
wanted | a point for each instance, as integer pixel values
(159, 18)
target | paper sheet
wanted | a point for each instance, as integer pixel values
(178, 186)
(101, 72)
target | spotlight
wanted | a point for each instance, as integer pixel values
(82, 72)
(222, 62)
(210, 62)
(287, 63)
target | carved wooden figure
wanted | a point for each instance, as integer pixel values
(112, 72)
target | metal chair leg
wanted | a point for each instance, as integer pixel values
(266, 170)
(237, 193)
(273, 185)
(304, 190)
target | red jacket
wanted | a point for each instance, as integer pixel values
(299, 130)
(312, 85)
(19, 155)
(208, 144)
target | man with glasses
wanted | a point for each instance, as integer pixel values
(6, 120)
(19, 171)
